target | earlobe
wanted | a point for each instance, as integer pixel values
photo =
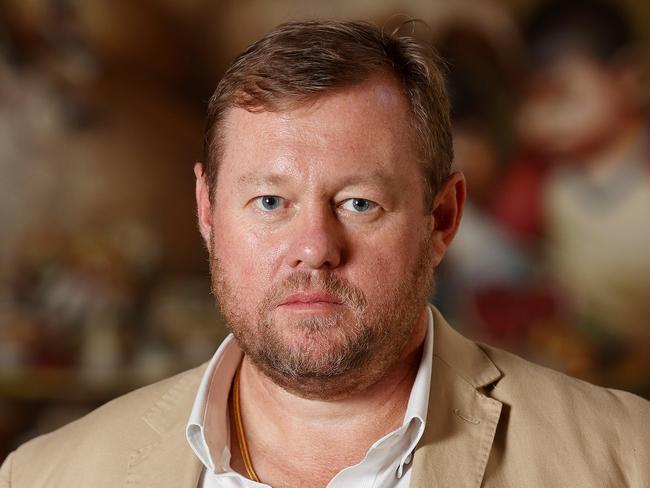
(203, 207)
(447, 214)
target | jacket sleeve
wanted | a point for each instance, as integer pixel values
(5, 472)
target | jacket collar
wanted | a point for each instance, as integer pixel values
(461, 419)
(164, 458)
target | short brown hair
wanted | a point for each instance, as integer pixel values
(299, 61)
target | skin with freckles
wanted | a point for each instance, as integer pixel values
(322, 253)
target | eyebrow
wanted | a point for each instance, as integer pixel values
(248, 179)
(377, 178)
(374, 178)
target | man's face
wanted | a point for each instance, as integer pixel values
(320, 249)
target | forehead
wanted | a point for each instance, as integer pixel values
(366, 124)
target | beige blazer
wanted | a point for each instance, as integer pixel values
(494, 420)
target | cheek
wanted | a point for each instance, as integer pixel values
(247, 259)
(385, 264)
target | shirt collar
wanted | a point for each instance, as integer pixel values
(418, 405)
(214, 389)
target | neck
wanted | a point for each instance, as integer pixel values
(281, 428)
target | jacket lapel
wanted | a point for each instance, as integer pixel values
(461, 419)
(165, 459)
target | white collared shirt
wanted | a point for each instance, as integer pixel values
(386, 464)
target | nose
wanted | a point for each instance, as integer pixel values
(316, 240)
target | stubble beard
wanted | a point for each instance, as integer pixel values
(335, 355)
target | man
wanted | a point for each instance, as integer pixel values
(326, 202)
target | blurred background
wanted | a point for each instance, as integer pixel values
(103, 276)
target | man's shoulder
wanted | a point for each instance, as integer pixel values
(523, 380)
(528, 388)
(539, 399)
(585, 433)
(126, 411)
(516, 381)
(112, 431)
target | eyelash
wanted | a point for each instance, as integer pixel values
(259, 203)
(372, 205)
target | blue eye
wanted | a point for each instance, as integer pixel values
(358, 205)
(269, 202)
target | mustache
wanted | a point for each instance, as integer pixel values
(303, 281)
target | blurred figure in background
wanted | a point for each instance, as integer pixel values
(580, 198)
(483, 70)
(102, 286)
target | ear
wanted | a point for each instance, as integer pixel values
(447, 212)
(204, 210)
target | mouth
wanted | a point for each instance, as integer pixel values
(310, 300)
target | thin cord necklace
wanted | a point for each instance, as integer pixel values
(239, 427)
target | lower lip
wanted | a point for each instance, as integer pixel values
(310, 306)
